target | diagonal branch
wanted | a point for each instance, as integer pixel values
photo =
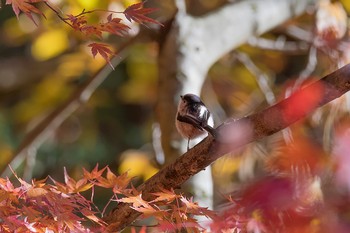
(235, 134)
(36, 137)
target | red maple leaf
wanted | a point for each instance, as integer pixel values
(90, 30)
(103, 50)
(114, 26)
(78, 22)
(137, 13)
(26, 7)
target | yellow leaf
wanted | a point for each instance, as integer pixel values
(50, 44)
(88, 4)
(137, 163)
(346, 4)
(127, 3)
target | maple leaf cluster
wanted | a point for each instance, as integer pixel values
(58, 207)
(113, 25)
(27, 7)
(291, 201)
(172, 211)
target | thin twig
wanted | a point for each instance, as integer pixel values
(29, 165)
(300, 34)
(309, 69)
(263, 81)
(98, 10)
(66, 20)
(58, 14)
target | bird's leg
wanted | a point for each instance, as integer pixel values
(188, 144)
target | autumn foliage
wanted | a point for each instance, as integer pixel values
(113, 25)
(301, 187)
(51, 206)
(289, 199)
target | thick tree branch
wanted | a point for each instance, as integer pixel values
(237, 133)
(203, 40)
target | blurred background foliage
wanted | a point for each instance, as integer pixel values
(41, 66)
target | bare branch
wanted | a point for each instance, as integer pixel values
(263, 81)
(235, 23)
(46, 127)
(58, 14)
(300, 34)
(242, 132)
(310, 67)
(278, 45)
(261, 78)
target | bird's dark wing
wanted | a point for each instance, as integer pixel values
(190, 120)
(202, 125)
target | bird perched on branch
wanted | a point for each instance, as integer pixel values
(193, 118)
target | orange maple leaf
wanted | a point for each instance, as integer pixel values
(165, 196)
(71, 185)
(91, 215)
(193, 208)
(94, 174)
(136, 201)
(189, 203)
(118, 183)
(148, 210)
(143, 206)
(76, 186)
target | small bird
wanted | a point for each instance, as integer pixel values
(193, 118)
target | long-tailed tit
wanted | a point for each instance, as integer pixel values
(193, 118)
